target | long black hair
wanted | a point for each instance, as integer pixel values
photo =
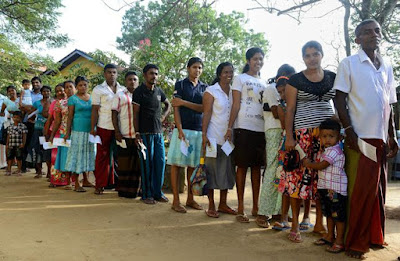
(219, 71)
(249, 54)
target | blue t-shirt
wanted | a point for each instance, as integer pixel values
(190, 119)
(82, 113)
(40, 120)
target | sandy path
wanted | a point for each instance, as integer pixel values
(40, 223)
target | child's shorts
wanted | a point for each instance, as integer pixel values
(14, 152)
(333, 204)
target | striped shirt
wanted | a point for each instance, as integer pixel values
(333, 177)
(122, 103)
(313, 100)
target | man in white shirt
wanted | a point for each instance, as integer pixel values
(102, 125)
(365, 90)
(128, 159)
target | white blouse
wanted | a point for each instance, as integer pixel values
(220, 113)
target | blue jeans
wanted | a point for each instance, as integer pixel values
(153, 167)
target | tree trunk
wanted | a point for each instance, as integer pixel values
(347, 7)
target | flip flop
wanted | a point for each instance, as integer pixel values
(281, 226)
(229, 211)
(304, 226)
(212, 213)
(262, 222)
(80, 189)
(242, 218)
(322, 241)
(335, 248)
(179, 209)
(295, 237)
(149, 201)
(194, 205)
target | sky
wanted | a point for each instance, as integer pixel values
(92, 25)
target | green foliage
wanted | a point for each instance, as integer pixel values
(183, 29)
(16, 65)
(31, 21)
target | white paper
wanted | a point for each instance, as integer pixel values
(142, 150)
(211, 150)
(42, 140)
(185, 147)
(302, 154)
(48, 145)
(94, 139)
(227, 147)
(122, 144)
(61, 142)
(367, 149)
(33, 113)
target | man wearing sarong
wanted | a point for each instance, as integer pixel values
(365, 90)
(128, 160)
(101, 125)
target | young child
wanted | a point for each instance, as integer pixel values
(283, 224)
(25, 98)
(16, 140)
(332, 185)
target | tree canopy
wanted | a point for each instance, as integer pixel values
(31, 21)
(387, 13)
(168, 33)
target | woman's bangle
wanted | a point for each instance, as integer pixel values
(348, 127)
(230, 129)
(137, 133)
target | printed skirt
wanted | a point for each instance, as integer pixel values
(302, 182)
(80, 156)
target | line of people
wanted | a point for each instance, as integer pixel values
(287, 124)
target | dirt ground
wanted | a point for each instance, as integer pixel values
(41, 223)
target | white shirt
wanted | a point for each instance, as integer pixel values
(221, 111)
(250, 116)
(370, 93)
(271, 96)
(122, 103)
(103, 95)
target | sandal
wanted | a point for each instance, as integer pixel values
(149, 201)
(322, 241)
(194, 205)
(8, 173)
(98, 191)
(295, 237)
(179, 208)
(281, 226)
(68, 187)
(262, 221)
(227, 210)
(335, 248)
(242, 218)
(38, 176)
(305, 225)
(212, 213)
(80, 189)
